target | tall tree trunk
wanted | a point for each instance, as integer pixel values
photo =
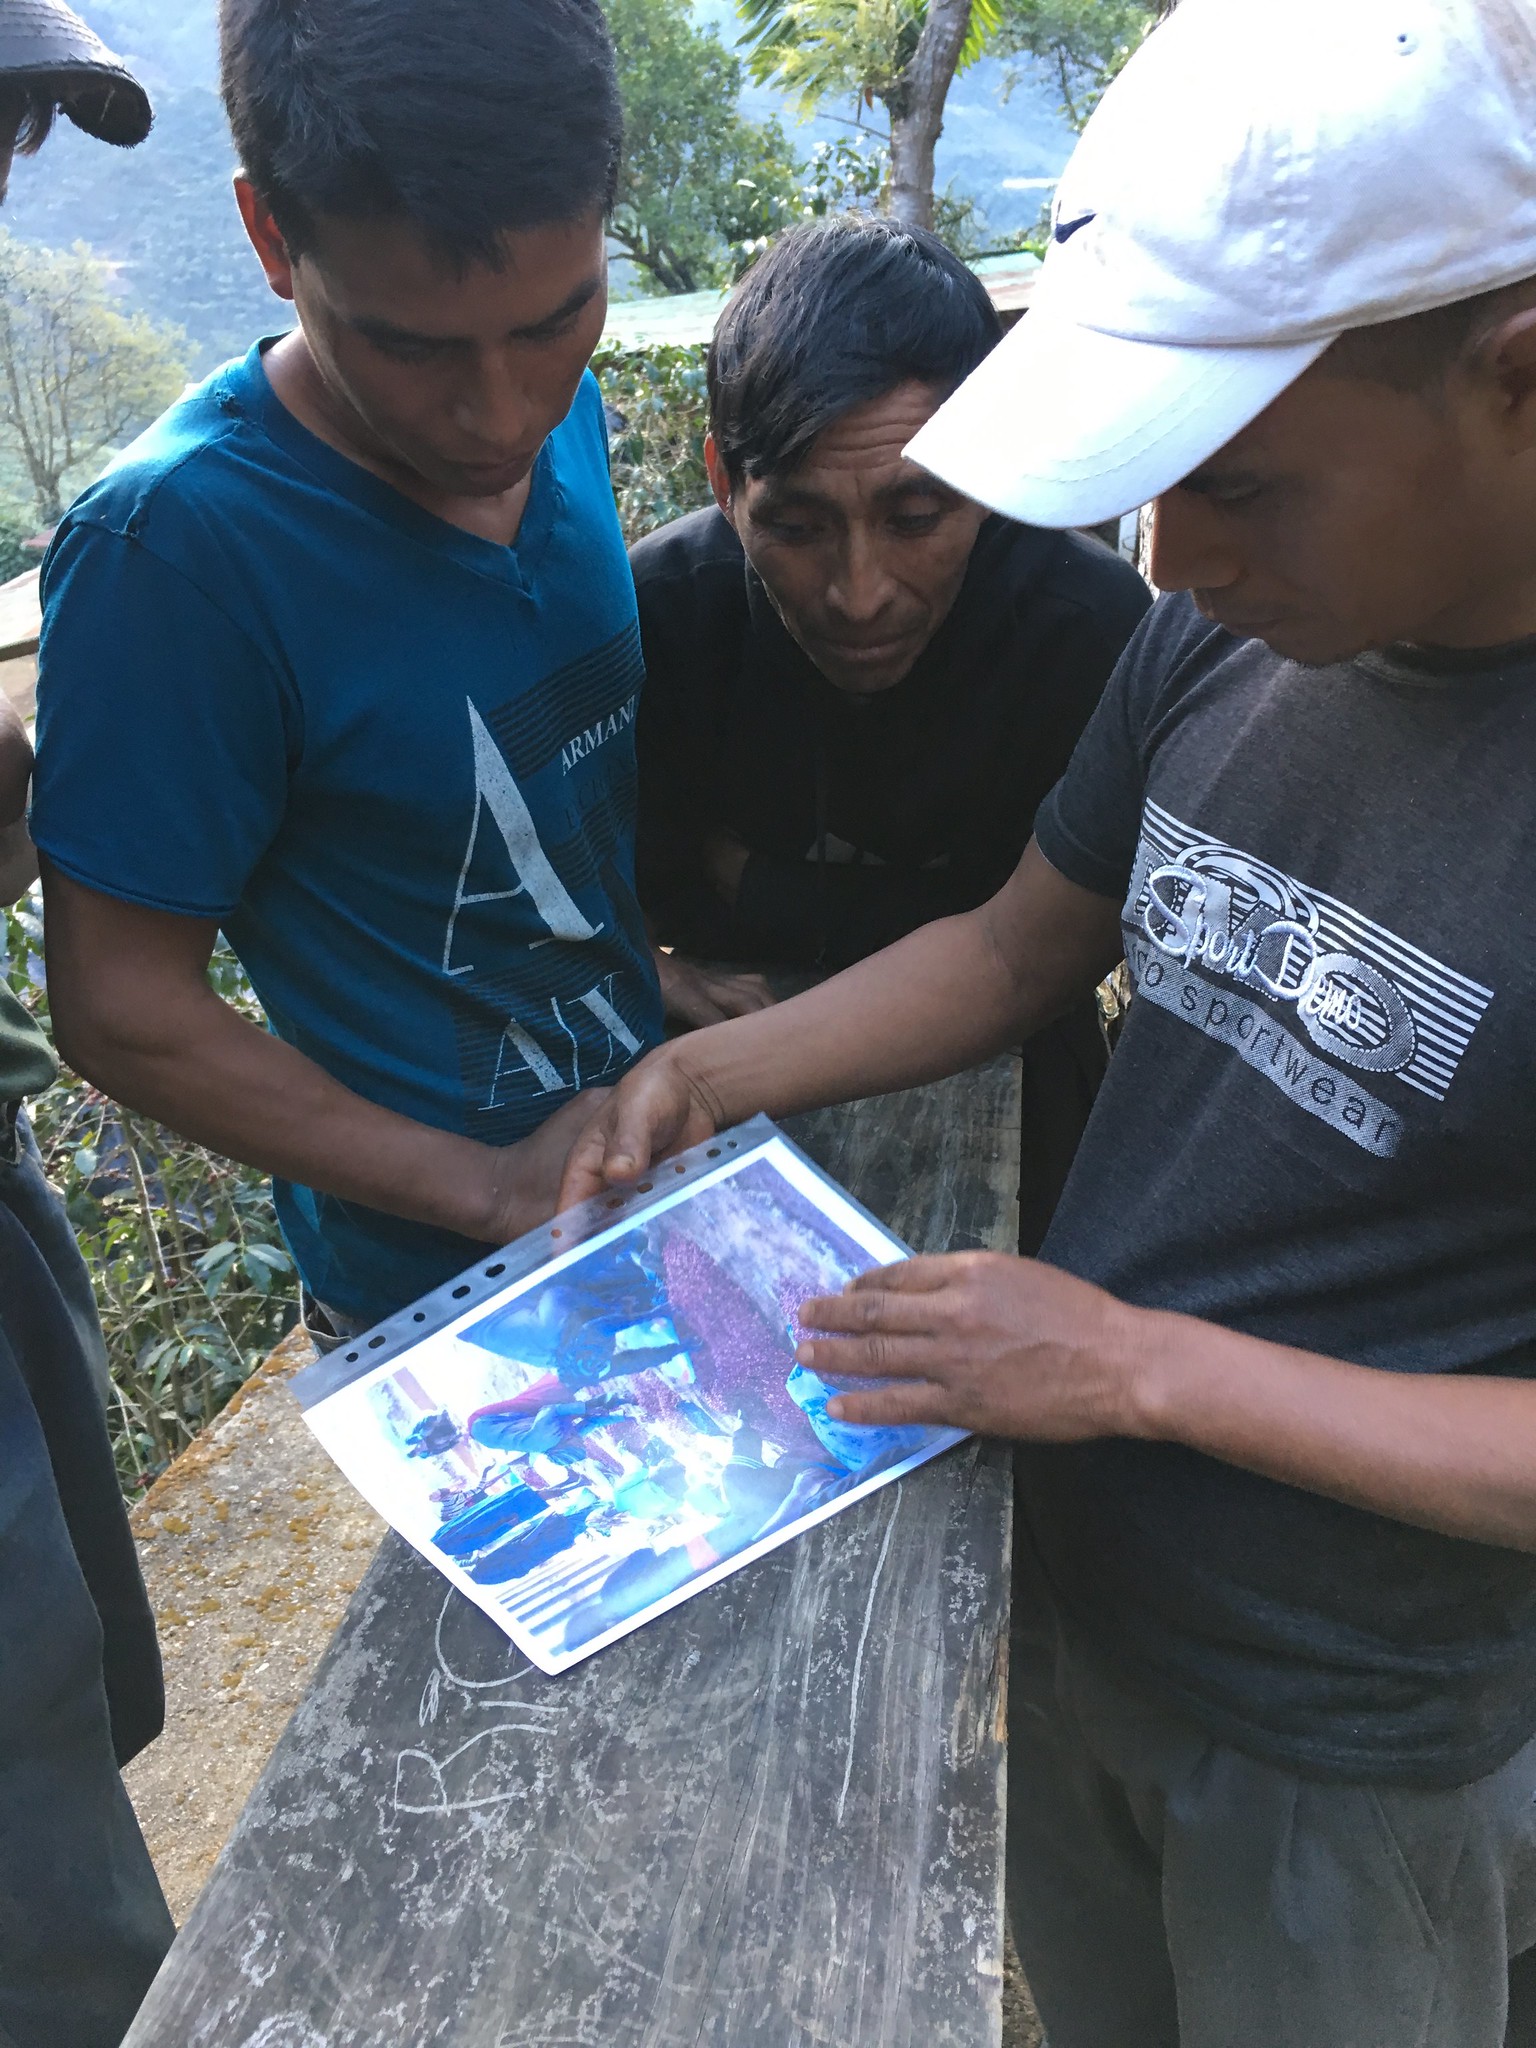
(916, 107)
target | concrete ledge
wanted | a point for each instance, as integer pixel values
(252, 1543)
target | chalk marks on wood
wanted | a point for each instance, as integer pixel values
(771, 1819)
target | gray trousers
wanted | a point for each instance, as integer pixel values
(1168, 1892)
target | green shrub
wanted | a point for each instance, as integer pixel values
(192, 1280)
(15, 557)
(657, 414)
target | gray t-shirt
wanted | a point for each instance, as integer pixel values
(1320, 1128)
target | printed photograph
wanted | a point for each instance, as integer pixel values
(629, 1424)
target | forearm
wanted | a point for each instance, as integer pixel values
(951, 994)
(1437, 1450)
(198, 1067)
(18, 861)
(939, 1001)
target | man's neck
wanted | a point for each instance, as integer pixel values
(1497, 616)
(302, 391)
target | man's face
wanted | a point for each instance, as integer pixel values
(457, 378)
(862, 553)
(1351, 515)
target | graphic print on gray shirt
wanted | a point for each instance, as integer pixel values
(1317, 1129)
(1206, 922)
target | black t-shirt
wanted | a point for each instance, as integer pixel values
(864, 817)
(1319, 1128)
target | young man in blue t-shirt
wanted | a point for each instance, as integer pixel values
(342, 659)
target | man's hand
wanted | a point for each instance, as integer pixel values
(657, 1109)
(18, 858)
(1009, 1347)
(524, 1179)
(725, 862)
(695, 996)
(979, 1341)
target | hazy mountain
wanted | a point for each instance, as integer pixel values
(165, 216)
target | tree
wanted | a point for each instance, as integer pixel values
(700, 184)
(1086, 43)
(903, 53)
(77, 375)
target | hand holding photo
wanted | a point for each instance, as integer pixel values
(629, 1422)
(982, 1342)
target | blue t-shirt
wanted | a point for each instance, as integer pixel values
(395, 761)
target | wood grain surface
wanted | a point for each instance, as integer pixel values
(21, 615)
(771, 1819)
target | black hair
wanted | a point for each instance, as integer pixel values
(466, 118)
(832, 315)
(28, 109)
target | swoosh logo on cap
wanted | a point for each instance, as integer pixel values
(1064, 230)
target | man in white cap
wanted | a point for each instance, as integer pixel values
(1273, 1776)
(83, 1924)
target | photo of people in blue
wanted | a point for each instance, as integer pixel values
(636, 1420)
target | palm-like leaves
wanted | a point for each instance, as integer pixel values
(826, 49)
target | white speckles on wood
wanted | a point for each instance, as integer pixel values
(771, 1819)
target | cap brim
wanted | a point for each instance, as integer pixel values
(110, 105)
(1065, 426)
(46, 45)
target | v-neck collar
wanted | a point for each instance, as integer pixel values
(250, 392)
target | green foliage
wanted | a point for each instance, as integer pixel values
(192, 1280)
(15, 557)
(843, 176)
(658, 410)
(853, 173)
(77, 375)
(700, 182)
(163, 216)
(1085, 43)
(834, 49)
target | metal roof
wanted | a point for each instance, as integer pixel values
(687, 319)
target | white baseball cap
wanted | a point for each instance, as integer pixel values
(1263, 176)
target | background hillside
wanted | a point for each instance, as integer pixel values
(164, 217)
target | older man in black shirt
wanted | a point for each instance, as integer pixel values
(859, 687)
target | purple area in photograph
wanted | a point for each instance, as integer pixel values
(733, 1347)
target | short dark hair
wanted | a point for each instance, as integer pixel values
(832, 315)
(468, 119)
(1418, 352)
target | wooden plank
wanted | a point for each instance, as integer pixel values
(21, 615)
(18, 684)
(771, 1819)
